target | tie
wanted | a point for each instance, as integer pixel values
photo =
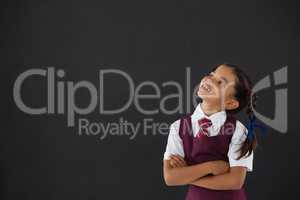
(204, 124)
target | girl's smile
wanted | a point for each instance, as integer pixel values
(208, 89)
(205, 88)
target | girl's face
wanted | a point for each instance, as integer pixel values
(217, 89)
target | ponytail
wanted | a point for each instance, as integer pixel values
(250, 143)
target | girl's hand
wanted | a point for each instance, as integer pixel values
(219, 167)
(177, 161)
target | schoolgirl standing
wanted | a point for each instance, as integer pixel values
(210, 150)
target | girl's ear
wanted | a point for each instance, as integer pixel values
(232, 104)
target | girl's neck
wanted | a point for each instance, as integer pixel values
(209, 109)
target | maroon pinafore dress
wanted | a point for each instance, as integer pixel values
(203, 149)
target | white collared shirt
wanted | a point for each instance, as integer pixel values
(175, 145)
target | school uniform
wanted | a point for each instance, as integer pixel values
(220, 138)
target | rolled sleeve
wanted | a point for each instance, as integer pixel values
(237, 140)
(174, 143)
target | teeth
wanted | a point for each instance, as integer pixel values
(206, 87)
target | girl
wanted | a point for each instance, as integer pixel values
(210, 150)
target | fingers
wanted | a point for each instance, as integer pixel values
(174, 163)
(180, 158)
(177, 161)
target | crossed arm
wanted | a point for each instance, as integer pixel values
(176, 172)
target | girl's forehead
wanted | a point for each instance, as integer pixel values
(226, 72)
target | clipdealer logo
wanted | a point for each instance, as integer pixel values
(61, 100)
(58, 87)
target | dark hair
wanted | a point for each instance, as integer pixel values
(247, 100)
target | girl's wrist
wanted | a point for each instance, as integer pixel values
(210, 167)
(207, 167)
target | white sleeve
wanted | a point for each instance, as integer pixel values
(237, 140)
(174, 144)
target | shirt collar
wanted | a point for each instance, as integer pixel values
(217, 118)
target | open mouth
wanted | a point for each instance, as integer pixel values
(206, 87)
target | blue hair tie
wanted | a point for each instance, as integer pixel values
(251, 125)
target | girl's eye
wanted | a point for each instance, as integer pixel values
(221, 82)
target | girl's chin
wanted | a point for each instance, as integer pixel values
(208, 97)
(204, 94)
